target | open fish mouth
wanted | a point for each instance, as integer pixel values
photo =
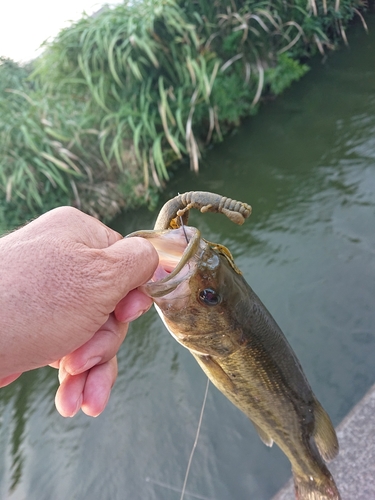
(178, 251)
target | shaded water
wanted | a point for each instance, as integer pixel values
(307, 166)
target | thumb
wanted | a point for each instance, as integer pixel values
(130, 262)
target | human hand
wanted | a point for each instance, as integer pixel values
(68, 289)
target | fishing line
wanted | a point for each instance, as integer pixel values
(195, 442)
(172, 488)
(183, 228)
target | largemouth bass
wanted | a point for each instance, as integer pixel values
(209, 308)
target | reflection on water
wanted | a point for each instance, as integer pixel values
(307, 166)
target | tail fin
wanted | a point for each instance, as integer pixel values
(310, 488)
(320, 484)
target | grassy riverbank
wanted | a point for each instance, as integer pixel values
(118, 98)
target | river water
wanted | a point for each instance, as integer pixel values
(306, 164)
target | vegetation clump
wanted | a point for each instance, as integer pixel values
(118, 97)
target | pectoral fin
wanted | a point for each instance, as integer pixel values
(263, 435)
(215, 373)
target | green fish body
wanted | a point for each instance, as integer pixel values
(209, 308)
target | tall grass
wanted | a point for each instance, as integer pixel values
(49, 154)
(118, 97)
(165, 75)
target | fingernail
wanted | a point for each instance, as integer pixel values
(78, 406)
(136, 316)
(101, 411)
(62, 374)
(95, 360)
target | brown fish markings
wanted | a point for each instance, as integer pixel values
(210, 309)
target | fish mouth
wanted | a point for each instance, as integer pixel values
(177, 250)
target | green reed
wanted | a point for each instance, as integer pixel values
(118, 97)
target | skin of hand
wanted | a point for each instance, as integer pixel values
(68, 289)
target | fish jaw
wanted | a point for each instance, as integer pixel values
(178, 251)
(188, 265)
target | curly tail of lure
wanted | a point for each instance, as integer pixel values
(176, 211)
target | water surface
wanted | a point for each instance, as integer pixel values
(306, 164)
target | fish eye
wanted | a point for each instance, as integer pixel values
(209, 297)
